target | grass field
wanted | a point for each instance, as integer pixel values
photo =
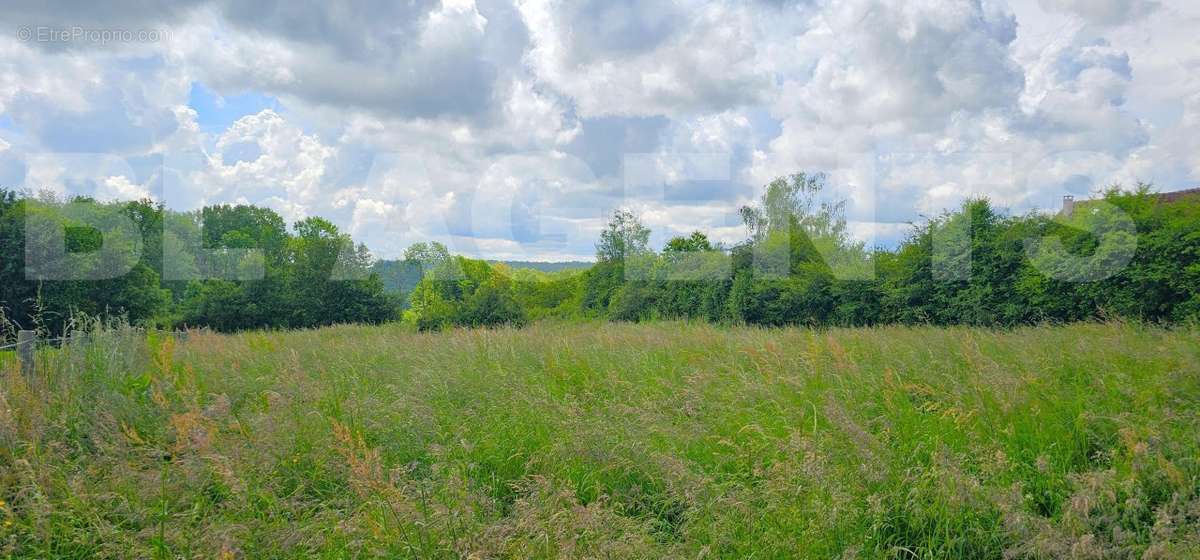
(609, 441)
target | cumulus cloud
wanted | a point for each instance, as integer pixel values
(278, 163)
(119, 187)
(905, 65)
(114, 13)
(1103, 12)
(894, 90)
(424, 59)
(645, 58)
(949, 105)
(509, 127)
(59, 81)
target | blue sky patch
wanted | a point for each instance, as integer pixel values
(215, 113)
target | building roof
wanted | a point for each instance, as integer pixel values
(1070, 204)
(1176, 195)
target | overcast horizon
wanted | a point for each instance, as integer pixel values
(509, 129)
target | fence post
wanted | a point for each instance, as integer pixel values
(26, 342)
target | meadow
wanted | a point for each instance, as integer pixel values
(605, 440)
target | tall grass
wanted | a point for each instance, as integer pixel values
(609, 440)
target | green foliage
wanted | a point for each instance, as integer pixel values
(697, 242)
(548, 294)
(316, 277)
(624, 237)
(259, 276)
(791, 204)
(464, 292)
(633, 301)
(1123, 256)
(75, 270)
(426, 255)
(244, 227)
(599, 283)
(238, 267)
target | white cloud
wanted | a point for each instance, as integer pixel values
(61, 81)
(119, 187)
(414, 120)
(288, 165)
(1103, 12)
(955, 105)
(643, 58)
(426, 61)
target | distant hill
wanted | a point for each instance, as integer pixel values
(546, 266)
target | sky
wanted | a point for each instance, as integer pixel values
(510, 129)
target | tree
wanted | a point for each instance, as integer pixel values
(491, 305)
(695, 243)
(331, 279)
(790, 227)
(464, 292)
(791, 203)
(624, 237)
(99, 274)
(426, 255)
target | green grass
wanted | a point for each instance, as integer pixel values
(609, 441)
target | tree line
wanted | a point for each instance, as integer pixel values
(1124, 255)
(227, 267)
(237, 267)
